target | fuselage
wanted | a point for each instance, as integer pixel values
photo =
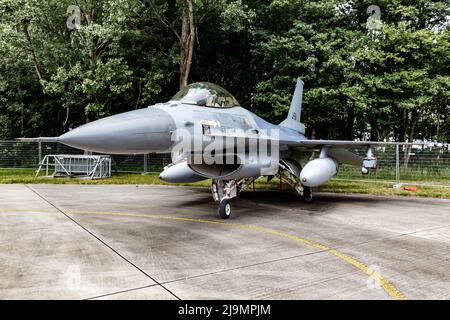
(151, 130)
(209, 135)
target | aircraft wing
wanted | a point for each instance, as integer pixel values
(344, 144)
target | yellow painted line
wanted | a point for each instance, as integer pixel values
(388, 287)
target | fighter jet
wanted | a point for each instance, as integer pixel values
(210, 136)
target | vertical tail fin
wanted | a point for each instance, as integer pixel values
(295, 111)
(296, 103)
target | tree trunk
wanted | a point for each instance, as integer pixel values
(32, 49)
(350, 123)
(89, 17)
(373, 129)
(402, 125)
(187, 42)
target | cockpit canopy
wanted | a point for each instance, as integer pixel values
(207, 95)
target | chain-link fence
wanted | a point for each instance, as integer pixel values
(403, 163)
(18, 154)
(420, 164)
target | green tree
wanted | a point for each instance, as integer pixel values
(391, 81)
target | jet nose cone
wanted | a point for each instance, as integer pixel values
(141, 131)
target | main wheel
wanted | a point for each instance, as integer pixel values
(307, 194)
(224, 209)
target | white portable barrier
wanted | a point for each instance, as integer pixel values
(69, 165)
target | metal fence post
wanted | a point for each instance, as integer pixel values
(145, 164)
(40, 151)
(397, 166)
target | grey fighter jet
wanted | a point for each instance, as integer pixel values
(212, 137)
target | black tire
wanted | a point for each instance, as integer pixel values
(307, 194)
(224, 209)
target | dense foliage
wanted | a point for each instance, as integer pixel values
(367, 75)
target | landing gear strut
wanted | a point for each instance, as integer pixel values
(290, 172)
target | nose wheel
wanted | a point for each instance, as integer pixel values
(224, 209)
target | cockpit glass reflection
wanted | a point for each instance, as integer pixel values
(207, 95)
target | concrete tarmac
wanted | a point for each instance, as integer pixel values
(159, 242)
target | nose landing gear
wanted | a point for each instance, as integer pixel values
(224, 190)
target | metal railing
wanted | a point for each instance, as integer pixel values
(396, 165)
(89, 166)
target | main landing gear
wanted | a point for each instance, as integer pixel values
(307, 194)
(290, 172)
